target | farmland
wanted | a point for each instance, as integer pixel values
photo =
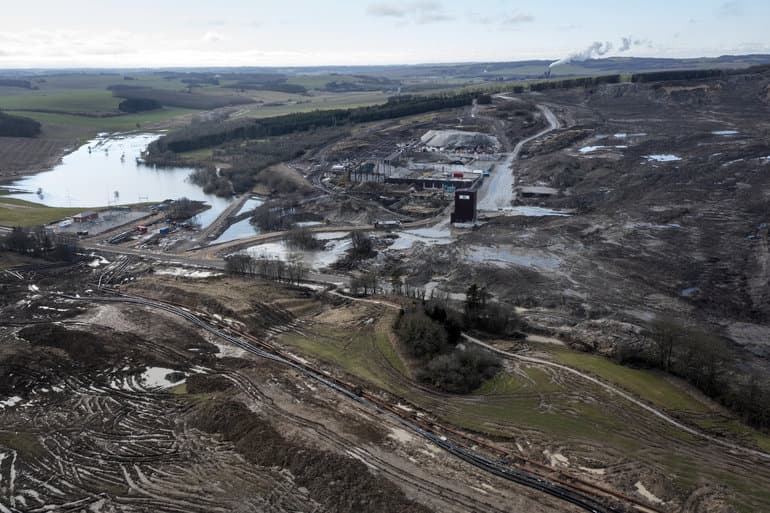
(14, 212)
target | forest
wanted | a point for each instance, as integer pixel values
(17, 126)
(206, 135)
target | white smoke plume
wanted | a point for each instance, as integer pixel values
(597, 49)
(629, 42)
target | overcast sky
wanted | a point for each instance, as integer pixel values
(147, 33)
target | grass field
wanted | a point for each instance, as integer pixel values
(533, 399)
(654, 388)
(16, 212)
(65, 101)
(117, 123)
(648, 385)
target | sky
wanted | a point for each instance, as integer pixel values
(162, 33)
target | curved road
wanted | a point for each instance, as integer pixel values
(566, 493)
(624, 395)
(497, 192)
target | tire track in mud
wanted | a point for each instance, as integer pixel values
(616, 391)
(576, 495)
(106, 432)
(395, 473)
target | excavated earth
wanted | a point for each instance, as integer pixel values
(112, 407)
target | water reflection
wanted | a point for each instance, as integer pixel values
(107, 171)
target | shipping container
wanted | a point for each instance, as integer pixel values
(458, 175)
(141, 229)
(164, 230)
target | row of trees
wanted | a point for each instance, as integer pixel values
(133, 105)
(301, 238)
(17, 126)
(569, 83)
(274, 216)
(294, 271)
(663, 76)
(703, 359)
(41, 243)
(207, 135)
(16, 82)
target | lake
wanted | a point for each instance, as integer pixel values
(105, 171)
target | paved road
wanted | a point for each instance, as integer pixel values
(497, 191)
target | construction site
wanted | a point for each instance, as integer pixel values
(550, 301)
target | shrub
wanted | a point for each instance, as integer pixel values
(139, 105)
(461, 371)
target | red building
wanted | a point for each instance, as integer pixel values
(85, 217)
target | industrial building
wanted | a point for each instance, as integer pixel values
(85, 217)
(465, 206)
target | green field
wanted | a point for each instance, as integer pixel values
(108, 124)
(16, 212)
(650, 386)
(554, 404)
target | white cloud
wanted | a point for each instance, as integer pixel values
(518, 18)
(730, 9)
(212, 37)
(421, 12)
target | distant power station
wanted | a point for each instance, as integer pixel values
(465, 206)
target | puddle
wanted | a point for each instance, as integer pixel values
(428, 236)
(280, 250)
(235, 231)
(187, 273)
(157, 377)
(504, 257)
(689, 292)
(623, 135)
(725, 132)
(534, 212)
(667, 157)
(250, 204)
(109, 174)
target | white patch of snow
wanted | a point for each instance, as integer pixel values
(666, 157)
(590, 149)
(156, 377)
(400, 435)
(187, 273)
(725, 132)
(556, 459)
(11, 401)
(595, 471)
(644, 492)
(33, 288)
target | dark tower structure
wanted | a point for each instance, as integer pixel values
(465, 206)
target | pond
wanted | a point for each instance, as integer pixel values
(337, 244)
(105, 171)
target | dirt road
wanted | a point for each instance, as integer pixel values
(497, 191)
(614, 390)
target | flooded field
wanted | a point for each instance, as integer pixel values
(105, 171)
(428, 236)
(337, 243)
